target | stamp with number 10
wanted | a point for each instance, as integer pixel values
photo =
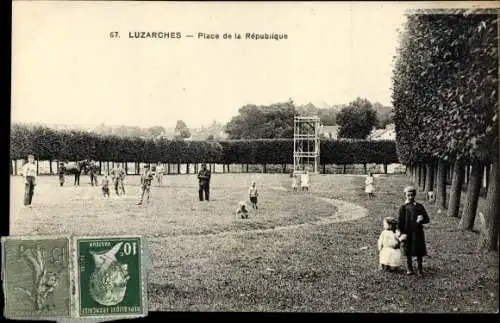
(110, 278)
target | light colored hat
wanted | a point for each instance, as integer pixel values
(31, 155)
(242, 203)
(410, 189)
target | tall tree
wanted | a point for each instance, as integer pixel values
(445, 98)
(182, 130)
(263, 122)
(357, 119)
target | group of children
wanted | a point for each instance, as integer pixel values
(304, 181)
(404, 236)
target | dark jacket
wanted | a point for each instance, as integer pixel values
(204, 177)
(407, 223)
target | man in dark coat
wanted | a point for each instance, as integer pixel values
(204, 180)
(412, 217)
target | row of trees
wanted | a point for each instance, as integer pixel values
(49, 144)
(445, 101)
(356, 120)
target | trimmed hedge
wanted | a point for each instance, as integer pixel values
(48, 144)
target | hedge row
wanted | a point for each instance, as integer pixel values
(48, 144)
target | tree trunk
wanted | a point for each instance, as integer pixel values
(385, 168)
(467, 174)
(265, 169)
(471, 198)
(107, 167)
(168, 168)
(488, 239)
(442, 172)
(324, 168)
(15, 167)
(419, 175)
(247, 167)
(457, 182)
(424, 177)
(415, 174)
(344, 169)
(50, 166)
(178, 168)
(187, 168)
(429, 177)
(37, 168)
(126, 168)
(365, 170)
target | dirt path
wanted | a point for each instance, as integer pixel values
(345, 212)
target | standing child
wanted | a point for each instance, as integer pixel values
(253, 193)
(146, 179)
(105, 186)
(389, 243)
(62, 169)
(412, 217)
(369, 187)
(304, 181)
(295, 184)
(242, 211)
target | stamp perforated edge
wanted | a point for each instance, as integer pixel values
(143, 276)
(70, 269)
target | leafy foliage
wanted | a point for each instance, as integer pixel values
(357, 119)
(48, 144)
(445, 87)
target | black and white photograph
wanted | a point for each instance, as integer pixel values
(334, 157)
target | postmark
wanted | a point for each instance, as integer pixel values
(36, 274)
(111, 280)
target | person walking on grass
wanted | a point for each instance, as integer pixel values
(29, 173)
(253, 193)
(412, 217)
(146, 179)
(204, 176)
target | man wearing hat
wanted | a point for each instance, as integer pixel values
(29, 173)
(146, 179)
(204, 181)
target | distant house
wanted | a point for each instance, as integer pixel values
(330, 132)
(389, 133)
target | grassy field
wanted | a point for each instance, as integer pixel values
(313, 252)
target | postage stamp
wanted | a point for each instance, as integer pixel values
(111, 280)
(36, 275)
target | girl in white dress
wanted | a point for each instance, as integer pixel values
(304, 181)
(369, 187)
(389, 245)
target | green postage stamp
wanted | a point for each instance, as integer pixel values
(79, 277)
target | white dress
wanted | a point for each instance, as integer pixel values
(369, 185)
(389, 251)
(304, 180)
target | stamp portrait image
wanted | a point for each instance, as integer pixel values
(110, 279)
(36, 276)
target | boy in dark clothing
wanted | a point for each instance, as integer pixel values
(62, 169)
(412, 217)
(204, 181)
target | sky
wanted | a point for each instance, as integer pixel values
(66, 69)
